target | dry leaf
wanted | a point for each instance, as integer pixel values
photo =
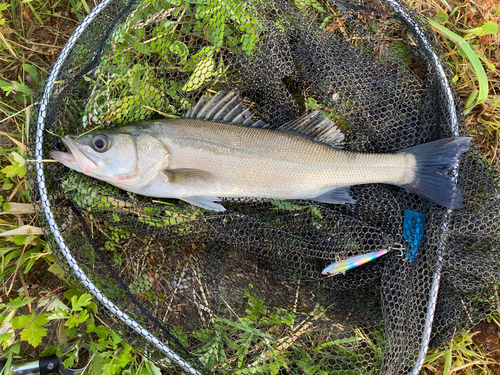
(19, 209)
(24, 230)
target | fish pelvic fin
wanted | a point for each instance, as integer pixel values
(205, 202)
(198, 180)
(433, 162)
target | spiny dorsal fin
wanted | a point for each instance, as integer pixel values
(316, 126)
(223, 107)
(230, 108)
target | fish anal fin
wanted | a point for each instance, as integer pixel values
(317, 126)
(338, 195)
(205, 202)
(189, 177)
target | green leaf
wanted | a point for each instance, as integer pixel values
(440, 16)
(72, 292)
(34, 331)
(32, 259)
(6, 86)
(57, 270)
(30, 69)
(22, 88)
(18, 240)
(76, 319)
(18, 302)
(316, 5)
(470, 102)
(97, 363)
(6, 338)
(78, 303)
(475, 62)
(201, 74)
(70, 333)
(116, 338)
(217, 24)
(284, 205)
(18, 159)
(179, 48)
(7, 186)
(151, 367)
(14, 170)
(70, 359)
(488, 28)
(54, 304)
(52, 350)
(142, 284)
(302, 4)
(21, 321)
(101, 331)
(58, 314)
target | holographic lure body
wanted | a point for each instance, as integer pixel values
(341, 267)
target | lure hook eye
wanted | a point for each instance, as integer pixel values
(399, 249)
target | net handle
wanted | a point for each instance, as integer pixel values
(42, 189)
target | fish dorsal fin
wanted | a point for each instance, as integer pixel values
(224, 107)
(229, 107)
(316, 126)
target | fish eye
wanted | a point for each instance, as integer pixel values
(100, 143)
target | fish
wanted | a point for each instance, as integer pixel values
(340, 267)
(218, 151)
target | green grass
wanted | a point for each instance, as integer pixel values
(463, 356)
(32, 34)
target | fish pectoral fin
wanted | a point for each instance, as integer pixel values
(338, 195)
(205, 202)
(189, 177)
(194, 178)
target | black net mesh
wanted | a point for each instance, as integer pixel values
(241, 291)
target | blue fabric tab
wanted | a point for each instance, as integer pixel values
(413, 232)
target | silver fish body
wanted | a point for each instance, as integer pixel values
(246, 161)
(201, 159)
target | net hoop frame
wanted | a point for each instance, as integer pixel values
(39, 166)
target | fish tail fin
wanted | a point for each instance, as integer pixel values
(433, 162)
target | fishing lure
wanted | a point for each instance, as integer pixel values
(342, 266)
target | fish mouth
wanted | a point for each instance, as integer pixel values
(76, 158)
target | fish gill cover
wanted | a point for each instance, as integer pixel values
(241, 291)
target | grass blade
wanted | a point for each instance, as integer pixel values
(448, 361)
(474, 60)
